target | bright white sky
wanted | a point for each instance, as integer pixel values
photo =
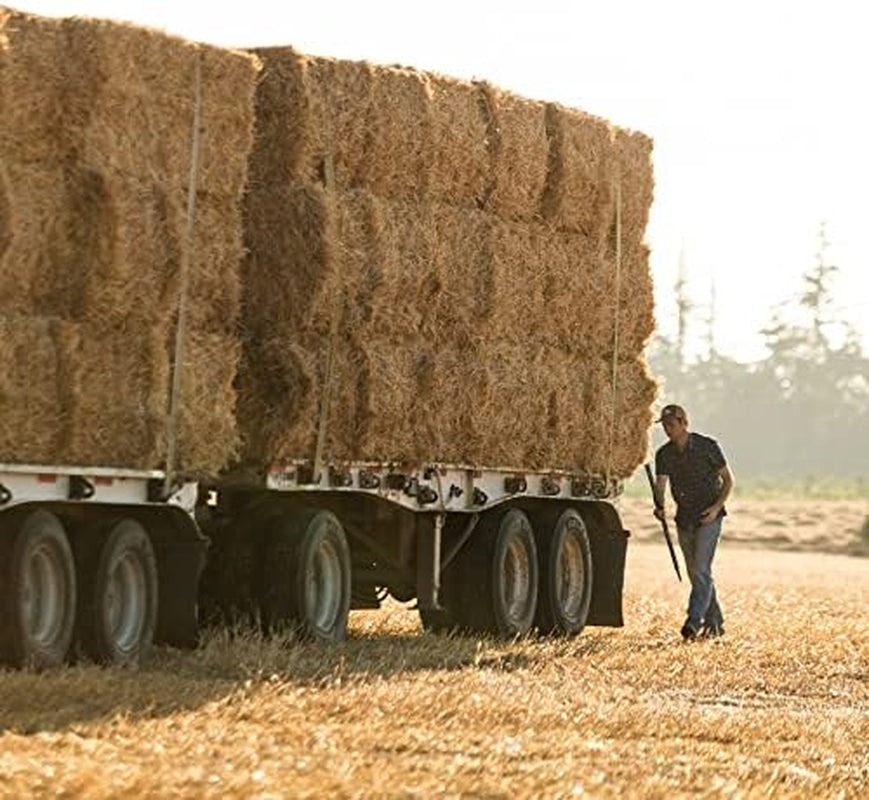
(757, 108)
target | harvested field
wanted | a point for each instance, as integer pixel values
(778, 706)
(834, 526)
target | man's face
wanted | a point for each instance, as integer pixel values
(675, 427)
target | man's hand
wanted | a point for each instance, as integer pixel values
(710, 514)
(660, 514)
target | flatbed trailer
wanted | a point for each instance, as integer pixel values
(488, 550)
(100, 563)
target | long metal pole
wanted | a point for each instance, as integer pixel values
(186, 260)
(659, 503)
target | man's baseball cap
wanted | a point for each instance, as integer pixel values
(671, 412)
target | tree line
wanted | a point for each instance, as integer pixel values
(803, 409)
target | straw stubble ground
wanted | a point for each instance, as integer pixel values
(780, 705)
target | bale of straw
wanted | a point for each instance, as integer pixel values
(309, 107)
(126, 426)
(518, 152)
(630, 407)
(104, 251)
(578, 191)
(574, 291)
(457, 299)
(633, 155)
(34, 57)
(290, 240)
(402, 246)
(460, 169)
(516, 299)
(635, 306)
(398, 147)
(31, 418)
(282, 129)
(208, 436)
(340, 95)
(143, 94)
(386, 403)
(277, 409)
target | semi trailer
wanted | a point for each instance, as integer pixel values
(102, 562)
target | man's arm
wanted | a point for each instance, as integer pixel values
(660, 491)
(713, 511)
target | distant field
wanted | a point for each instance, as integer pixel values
(778, 488)
(832, 526)
(779, 706)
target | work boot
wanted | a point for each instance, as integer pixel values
(712, 631)
(689, 631)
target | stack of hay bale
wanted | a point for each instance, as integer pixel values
(95, 149)
(441, 258)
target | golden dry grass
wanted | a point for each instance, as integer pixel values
(778, 707)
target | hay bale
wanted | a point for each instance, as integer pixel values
(518, 151)
(34, 59)
(458, 292)
(282, 132)
(635, 392)
(635, 306)
(402, 246)
(461, 163)
(308, 107)
(208, 436)
(277, 405)
(30, 405)
(290, 239)
(633, 155)
(340, 99)
(574, 292)
(578, 191)
(140, 117)
(398, 148)
(105, 251)
(124, 427)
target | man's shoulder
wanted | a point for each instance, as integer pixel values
(703, 439)
(665, 449)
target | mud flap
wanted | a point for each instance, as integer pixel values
(608, 551)
(180, 565)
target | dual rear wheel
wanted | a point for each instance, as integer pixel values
(102, 596)
(511, 578)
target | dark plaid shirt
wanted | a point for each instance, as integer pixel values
(694, 479)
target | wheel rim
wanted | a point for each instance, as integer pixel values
(516, 581)
(323, 587)
(570, 575)
(126, 601)
(44, 596)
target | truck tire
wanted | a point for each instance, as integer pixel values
(565, 575)
(307, 576)
(37, 593)
(118, 610)
(501, 576)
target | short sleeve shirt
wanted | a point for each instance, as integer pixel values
(693, 473)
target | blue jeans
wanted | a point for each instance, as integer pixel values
(698, 546)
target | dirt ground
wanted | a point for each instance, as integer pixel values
(779, 706)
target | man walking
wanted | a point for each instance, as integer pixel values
(700, 482)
